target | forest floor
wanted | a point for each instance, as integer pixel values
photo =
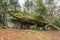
(24, 34)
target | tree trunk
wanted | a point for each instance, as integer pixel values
(4, 20)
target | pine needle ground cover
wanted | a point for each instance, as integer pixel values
(22, 34)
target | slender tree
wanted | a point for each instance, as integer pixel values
(5, 6)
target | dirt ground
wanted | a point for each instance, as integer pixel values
(24, 34)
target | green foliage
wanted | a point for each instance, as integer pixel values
(49, 2)
(14, 5)
(36, 6)
(57, 22)
(40, 7)
(28, 5)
